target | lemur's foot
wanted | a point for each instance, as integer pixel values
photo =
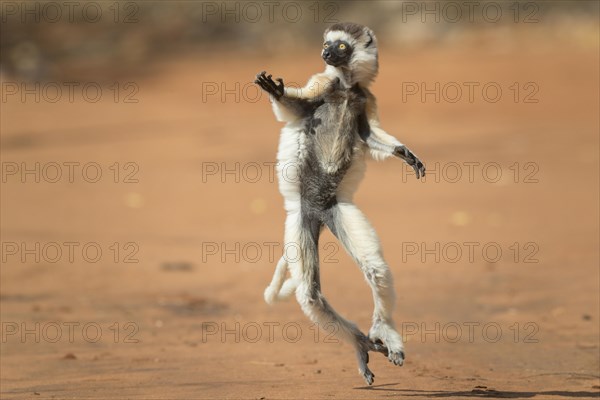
(397, 358)
(362, 354)
(368, 376)
(388, 342)
(408, 156)
(268, 85)
(364, 345)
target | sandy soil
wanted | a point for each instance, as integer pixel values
(522, 325)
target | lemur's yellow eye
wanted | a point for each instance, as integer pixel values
(342, 46)
(325, 45)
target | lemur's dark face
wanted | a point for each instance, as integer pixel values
(337, 53)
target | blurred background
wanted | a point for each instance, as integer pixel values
(141, 219)
(51, 40)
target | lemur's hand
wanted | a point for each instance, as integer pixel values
(268, 85)
(404, 153)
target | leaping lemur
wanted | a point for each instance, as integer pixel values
(331, 124)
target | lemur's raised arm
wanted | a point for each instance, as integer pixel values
(295, 103)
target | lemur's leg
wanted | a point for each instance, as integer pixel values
(357, 235)
(304, 236)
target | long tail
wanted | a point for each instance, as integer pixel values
(279, 288)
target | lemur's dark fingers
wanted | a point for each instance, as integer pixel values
(260, 82)
(263, 80)
(422, 169)
(265, 84)
(259, 78)
(269, 86)
(268, 78)
(406, 153)
(417, 171)
(267, 81)
(277, 87)
(408, 156)
(273, 84)
(419, 168)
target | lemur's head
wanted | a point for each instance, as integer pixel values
(353, 48)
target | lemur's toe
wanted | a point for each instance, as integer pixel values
(397, 358)
(369, 376)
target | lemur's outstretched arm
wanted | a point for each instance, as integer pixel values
(382, 144)
(299, 102)
(298, 106)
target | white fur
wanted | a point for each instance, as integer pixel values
(383, 137)
(272, 291)
(340, 35)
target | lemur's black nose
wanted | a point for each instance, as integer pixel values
(326, 54)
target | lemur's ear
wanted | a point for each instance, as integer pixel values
(370, 39)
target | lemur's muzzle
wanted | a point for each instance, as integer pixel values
(335, 56)
(332, 58)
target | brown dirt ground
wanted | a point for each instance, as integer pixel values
(171, 214)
